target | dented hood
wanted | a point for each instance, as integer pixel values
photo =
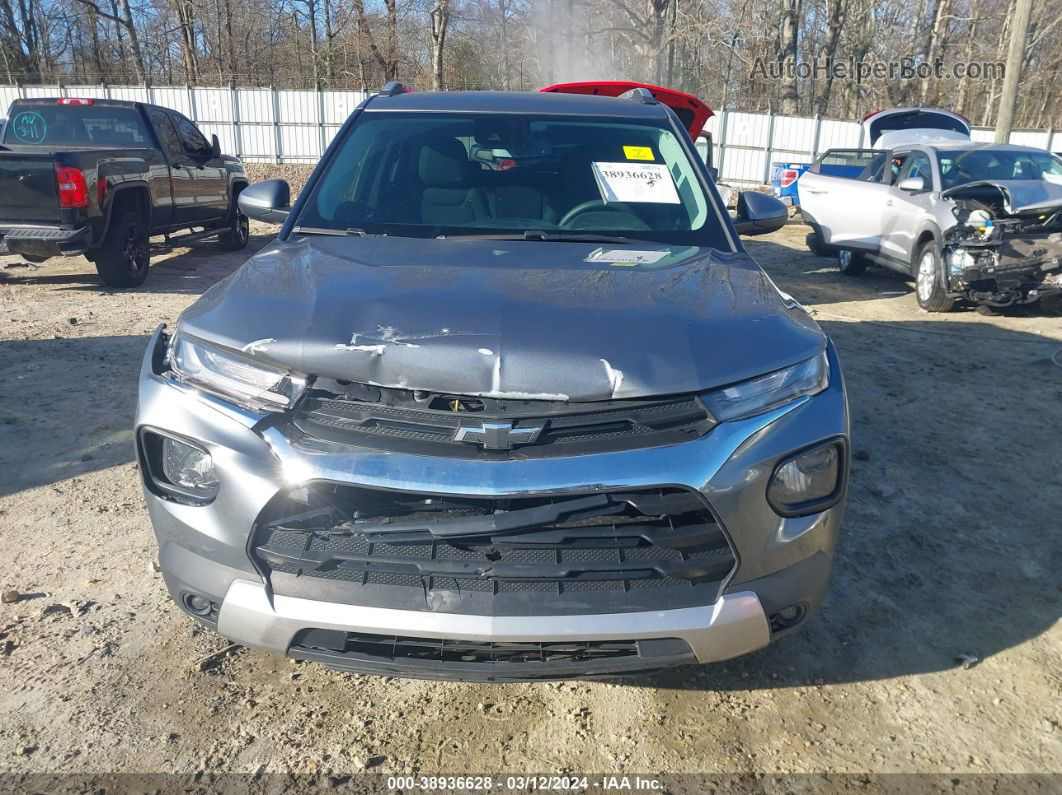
(1019, 195)
(506, 319)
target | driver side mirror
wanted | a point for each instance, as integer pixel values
(759, 213)
(268, 201)
(215, 147)
(912, 184)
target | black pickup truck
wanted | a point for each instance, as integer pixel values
(100, 177)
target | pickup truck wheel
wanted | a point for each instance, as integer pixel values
(851, 263)
(929, 289)
(124, 257)
(236, 236)
(238, 232)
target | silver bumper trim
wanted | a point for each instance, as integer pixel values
(734, 625)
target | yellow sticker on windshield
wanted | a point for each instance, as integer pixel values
(638, 153)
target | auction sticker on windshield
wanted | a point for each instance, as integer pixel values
(648, 183)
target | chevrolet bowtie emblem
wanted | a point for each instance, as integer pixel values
(499, 435)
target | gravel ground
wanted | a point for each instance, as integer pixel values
(950, 552)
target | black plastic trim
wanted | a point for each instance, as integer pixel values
(644, 655)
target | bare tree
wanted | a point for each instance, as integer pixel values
(122, 16)
(788, 46)
(387, 57)
(440, 21)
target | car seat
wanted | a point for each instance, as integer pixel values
(449, 196)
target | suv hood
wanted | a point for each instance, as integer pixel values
(1019, 195)
(522, 320)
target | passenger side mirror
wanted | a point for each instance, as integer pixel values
(912, 184)
(215, 147)
(759, 213)
(268, 201)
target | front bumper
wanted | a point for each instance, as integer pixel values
(734, 625)
(781, 561)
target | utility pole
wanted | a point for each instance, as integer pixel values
(1019, 31)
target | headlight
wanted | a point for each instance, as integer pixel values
(808, 482)
(232, 376)
(766, 392)
(960, 260)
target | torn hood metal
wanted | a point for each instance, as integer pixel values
(523, 320)
(1020, 196)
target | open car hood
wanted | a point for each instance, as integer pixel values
(693, 113)
(1020, 196)
(897, 121)
(919, 135)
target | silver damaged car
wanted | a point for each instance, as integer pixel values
(506, 399)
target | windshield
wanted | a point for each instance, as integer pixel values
(76, 125)
(971, 165)
(434, 174)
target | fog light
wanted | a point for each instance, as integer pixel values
(197, 604)
(808, 482)
(188, 468)
(787, 617)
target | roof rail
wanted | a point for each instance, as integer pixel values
(394, 88)
(643, 95)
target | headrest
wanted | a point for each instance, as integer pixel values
(443, 163)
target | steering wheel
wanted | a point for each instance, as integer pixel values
(585, 207)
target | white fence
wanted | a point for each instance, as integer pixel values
(264, 125)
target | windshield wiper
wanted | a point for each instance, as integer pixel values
(542, 236)
(318, 230)
(572, 237)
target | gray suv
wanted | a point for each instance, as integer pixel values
(505, 400)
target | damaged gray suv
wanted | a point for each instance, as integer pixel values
(506, 399)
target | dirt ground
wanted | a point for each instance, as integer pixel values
(951, 549)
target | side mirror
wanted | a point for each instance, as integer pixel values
(759, 213)
(713, 172)
(268, 201)
(215, 147)
(912, 184)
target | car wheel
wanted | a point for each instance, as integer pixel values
(851, 263)
(236, 236)
(929, 289)
(124, 257)
(815, 246)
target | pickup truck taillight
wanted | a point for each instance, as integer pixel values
(789, 176)
(73, 192)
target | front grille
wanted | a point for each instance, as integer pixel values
(618, 550)
(427, 424)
